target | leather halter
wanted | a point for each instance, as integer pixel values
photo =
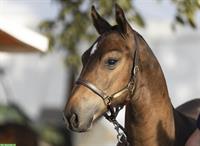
(106, 98)
(130, 87)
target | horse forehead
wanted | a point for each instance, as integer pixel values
(111, 40)
(108, 41)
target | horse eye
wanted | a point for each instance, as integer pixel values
(111, 62)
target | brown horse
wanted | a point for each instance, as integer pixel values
(121, 64)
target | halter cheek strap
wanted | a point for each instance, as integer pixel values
(92, 87)
(106, 98)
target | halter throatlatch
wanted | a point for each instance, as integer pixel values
(112, 113)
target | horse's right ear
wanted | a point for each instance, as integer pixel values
(121, 20)
(100, 24)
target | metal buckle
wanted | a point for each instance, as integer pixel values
(135, 70)
(107, 100)
(131, 86)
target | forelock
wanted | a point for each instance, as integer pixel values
(94, 48)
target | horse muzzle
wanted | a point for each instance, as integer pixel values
(76, 123)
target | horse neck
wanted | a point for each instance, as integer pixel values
(149, 114)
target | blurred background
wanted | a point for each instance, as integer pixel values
(40, 46)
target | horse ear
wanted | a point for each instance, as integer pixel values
(121, 19)
(100, 24)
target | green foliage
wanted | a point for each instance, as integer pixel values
(11, 114)
(186, 11)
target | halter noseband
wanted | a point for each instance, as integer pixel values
(106, 98)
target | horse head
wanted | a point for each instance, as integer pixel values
(106, 77)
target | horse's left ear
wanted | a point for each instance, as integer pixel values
(121, 20)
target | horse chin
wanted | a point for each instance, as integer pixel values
(87, 129)
(81, 129)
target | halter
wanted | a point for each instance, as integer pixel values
(112, 113)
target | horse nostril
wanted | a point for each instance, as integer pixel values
(64, 117)
(74, 120)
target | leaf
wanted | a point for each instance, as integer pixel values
(48, 24)
(179, 19)
(192, 22)
(198, 3)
